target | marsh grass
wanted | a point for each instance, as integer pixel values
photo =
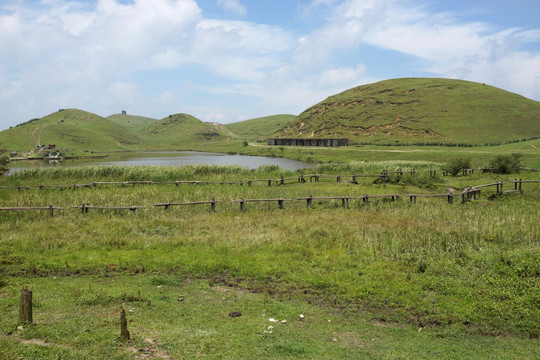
(376, 167)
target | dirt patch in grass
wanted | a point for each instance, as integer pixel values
(149, 352)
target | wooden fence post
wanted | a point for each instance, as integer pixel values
(345, 203)
(309, 201)
(241, 204)
(124, 333)
(213, 205)
(338, 179)
(51, 210)
(269, 182)
(25, 308)
(450, 198)
(280, 203)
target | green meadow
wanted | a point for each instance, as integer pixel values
(386, 279)
(382, 278)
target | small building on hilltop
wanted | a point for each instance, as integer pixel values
(308, 142)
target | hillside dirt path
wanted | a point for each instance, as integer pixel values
(38, 140)
(226, 130)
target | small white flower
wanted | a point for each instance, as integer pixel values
(272, 320)
(283, 321)
(301, 316)
(270, 327)
(159, 286)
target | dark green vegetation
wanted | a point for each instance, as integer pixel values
(466, 275)
(426, 111)
(506, 164)
(457, 165)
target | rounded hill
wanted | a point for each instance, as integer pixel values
(68, 128)
(420, 111)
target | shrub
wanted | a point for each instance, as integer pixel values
(4, 160)
(506, 164)
(457, 165)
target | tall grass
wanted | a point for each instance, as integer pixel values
(375, 167)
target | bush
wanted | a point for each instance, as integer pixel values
(455, 166)
(506, 164)
(4, 160)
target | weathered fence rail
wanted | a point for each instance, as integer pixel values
(50, 208)
(243, 201)
(85, 207)
(211, 202)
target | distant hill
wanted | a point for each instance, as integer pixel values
(260, 128)
(68, 128)
(178, 130)
(131, 122)
(420, 110)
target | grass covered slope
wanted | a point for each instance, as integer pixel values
(131, 122)
(69, 128)
(421, 110)
(179, 130)
(260, 128)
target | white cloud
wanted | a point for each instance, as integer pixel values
(239, 50)
(232, 5)
(449, 47)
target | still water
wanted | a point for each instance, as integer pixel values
(165, 158)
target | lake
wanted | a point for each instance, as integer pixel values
(164, 158)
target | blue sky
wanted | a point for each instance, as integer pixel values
(231, 60)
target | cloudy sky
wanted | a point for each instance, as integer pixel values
(231, 60)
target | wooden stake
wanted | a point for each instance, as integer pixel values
(25, 308)
(124, 333)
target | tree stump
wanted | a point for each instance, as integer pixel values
(124, 333)
(25, 308)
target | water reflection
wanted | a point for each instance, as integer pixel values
(165, 158)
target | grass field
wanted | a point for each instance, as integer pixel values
(386, 280)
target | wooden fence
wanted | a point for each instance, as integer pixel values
(349, 178)
(467, 194)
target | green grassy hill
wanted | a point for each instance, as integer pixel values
(260, 128)
(179, 131)
(131, 122)
(70, 128)
(421, 110)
